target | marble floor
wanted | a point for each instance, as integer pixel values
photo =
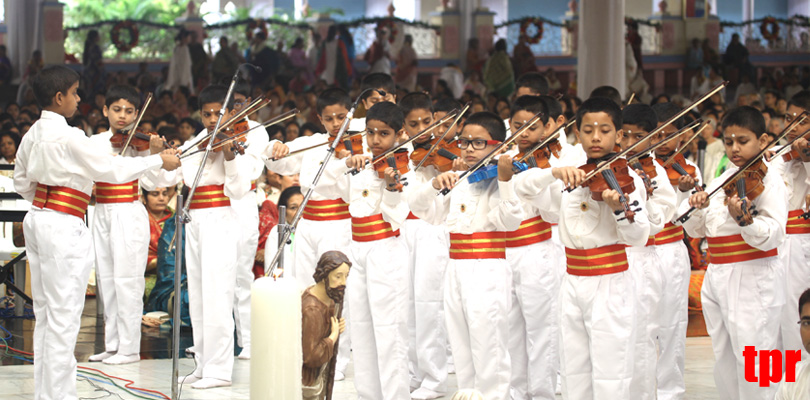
(154, 371)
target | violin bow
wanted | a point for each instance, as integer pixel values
(276, 120)
(390, 151)
(137, 122)
(495, 151)
(671, 158)
(630, 100)
(254, 106)
(786, 148)
(547, 140)
(319, 145)
(444, 135)
(671, 137)
(685, 216)
(606, 163)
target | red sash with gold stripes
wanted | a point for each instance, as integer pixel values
(210, 196)
(478, 245)
(327, 210)
(599, 261)
(107, 193)
(670, 234)
(650, 241)
(533, 230)
(411, 216)
(733, 249)
(369, 229)
(796, 225)
(62, 199)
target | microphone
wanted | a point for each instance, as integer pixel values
(255, 67)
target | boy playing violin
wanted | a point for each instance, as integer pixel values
(742, 292)
(378, 296)
(638, 120)
(428, 256)
(55, 169)
(120, 230)
(795, 255)
(478, 278)
(674, 263)
(597, 299)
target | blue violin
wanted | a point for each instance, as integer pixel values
(491, 171)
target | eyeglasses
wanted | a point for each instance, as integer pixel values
(477, 144)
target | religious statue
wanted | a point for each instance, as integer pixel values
(322, 325)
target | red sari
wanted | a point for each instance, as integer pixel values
(155, 229)
(268, 218)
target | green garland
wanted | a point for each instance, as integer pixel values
(628, 20)
(796, 20)
(528, 20)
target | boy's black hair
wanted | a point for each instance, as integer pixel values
(532, 104)
(378, 80)
(415, 101)
(6, 117)
(640, 115)
(288, 104)
(309, 126)
(553, 107)
(169, 93)
(801, 100)
(607, 91)
(770, 111)
(667, 110)
(774, 92)
(214, 94)
(387, 113)
(804, 299)
(168, 132)
(330, 97)
(123, 92)
(535, 81)
(746, 117)
(446, 105)
(191, 121)
(52, 80)
(29, 113)
(14, 137)
(242, 88)
(600, 104)
(168, 118)
(489, 121)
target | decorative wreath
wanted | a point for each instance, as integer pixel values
(524, 27)
(769, 29)
(392, 28)
(115, 35)
(252, 25)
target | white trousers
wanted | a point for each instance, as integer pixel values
(312, 239)
(598, 334)
(378, 293)
(796, 260)
(247, 215)
(673, 318)
(211, 250)
(741, 304)
(427, 259)
(534, 319)
(60, 254)
(476, 304)
(121, 240)
(646, 271)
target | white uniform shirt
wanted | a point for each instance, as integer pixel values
(257, 142)
(799, 389)
(795, 173)
(765, 233)
(217, 171)
(56, 154)
(662, 203)
(484, 206)
(585, 223)
(305, 163)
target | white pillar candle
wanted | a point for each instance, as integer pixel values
(276, 354)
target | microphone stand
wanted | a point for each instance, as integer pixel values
(330, 151)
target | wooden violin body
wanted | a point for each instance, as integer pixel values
(139, 142)
(677, 168)
(235, 131)
(752, 178)
(616, 177)
(441, 158)
(645, 166)
(399, 161)
(353, 143)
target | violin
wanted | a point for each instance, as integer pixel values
(540, 157)
(748, 186)
(491, 171)
(139, 142)
(399, 161)
(232, 134)
(794, 154)
(677, 167)
(353, 143)
(645, 166)
(616, 177)
(441, 159)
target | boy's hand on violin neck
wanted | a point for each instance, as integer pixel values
(171, 159)
(699, 200)
(459, 164)
(505, 171)
(686, 183)
(391, 177)
(358, 161)
(571, 176)
(343, 154)
(612, 199)
(445, 181)
(156, 144)
(230, 152)
(735, 206)
(801, 146)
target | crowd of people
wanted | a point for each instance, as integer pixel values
(524, 280)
